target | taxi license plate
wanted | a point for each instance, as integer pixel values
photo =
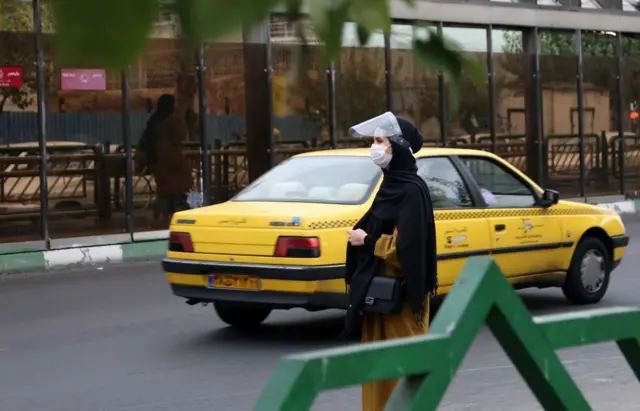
(234, 282)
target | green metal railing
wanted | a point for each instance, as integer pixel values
(427, 364)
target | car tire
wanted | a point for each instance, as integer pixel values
(241, 316)
(589, 273)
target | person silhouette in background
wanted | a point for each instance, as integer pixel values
(161, 148)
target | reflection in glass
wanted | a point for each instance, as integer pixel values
(226, 126)
(84, 132)
(558, 73)
(316, 179)
(446, 186)
(469, 122)
(300, 108)
(600, 102)
(19, 150)
(509, 80)
(414, 89)
(164, 132)
(627, 156)
(500, 188)
(360, 82)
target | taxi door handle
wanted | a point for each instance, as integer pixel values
(500, 227)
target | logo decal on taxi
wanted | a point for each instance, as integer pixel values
(456, 238)
(295, 222)
(526, 233)
(234, 221)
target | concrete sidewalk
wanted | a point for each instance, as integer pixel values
(29, 260)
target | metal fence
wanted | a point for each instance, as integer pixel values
(564, 119)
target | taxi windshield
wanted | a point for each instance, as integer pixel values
(316, 179)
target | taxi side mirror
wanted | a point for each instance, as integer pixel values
(549, 198)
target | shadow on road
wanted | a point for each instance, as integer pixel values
(304, 333)
(309, 330)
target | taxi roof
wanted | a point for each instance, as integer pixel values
(424, 152)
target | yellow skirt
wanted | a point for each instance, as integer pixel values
(379, 327)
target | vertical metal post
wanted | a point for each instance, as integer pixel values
(490, 89)
(387, 71)
(580, 93)
(205, 155)
(620, 108)
(126, 138)
(442, 100)
(258, 100)
(331, 104)
(537, 82)
(42, 122)
(269, 72)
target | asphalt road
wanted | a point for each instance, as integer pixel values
(115, 339)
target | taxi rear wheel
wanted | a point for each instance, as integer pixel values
(241, 316)
(588, 277)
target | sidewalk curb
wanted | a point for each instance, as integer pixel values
(82, 256)
(622, 207)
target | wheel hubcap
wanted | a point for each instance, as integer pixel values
(592, 271)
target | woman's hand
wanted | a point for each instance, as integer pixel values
(356, 237)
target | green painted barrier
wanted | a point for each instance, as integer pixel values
(427, 364)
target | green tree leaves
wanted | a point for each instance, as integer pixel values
(211, 19)
(441, 55)
(112, 33)
(102, 33)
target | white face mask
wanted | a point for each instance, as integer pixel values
(380, 156)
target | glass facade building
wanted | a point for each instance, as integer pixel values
(560, 102)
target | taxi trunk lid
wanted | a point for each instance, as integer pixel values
(248, 228)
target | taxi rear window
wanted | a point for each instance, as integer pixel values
(316, 179)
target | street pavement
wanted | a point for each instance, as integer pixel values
(115, 339)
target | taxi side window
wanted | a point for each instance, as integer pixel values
(446, 186)
(499, 187)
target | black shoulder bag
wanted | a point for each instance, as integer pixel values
(385, 295)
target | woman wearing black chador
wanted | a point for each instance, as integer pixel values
(393, 246)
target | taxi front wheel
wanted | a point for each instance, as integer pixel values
(241, 316)
(588, 276)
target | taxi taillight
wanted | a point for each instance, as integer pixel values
(298, 247)
(180, 242)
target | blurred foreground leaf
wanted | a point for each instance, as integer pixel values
(211, 19)
(440, 55)
(112, 33)
(102, 33)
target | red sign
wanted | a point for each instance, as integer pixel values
(10, 77)
(83, 79)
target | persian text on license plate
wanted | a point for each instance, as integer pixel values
(234, 282)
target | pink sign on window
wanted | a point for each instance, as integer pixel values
(83, 79)
(11, 77)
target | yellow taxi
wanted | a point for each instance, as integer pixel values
(280, 243)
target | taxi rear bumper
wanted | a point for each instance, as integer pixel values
(265, 271)
(302, 279)
(267, 299)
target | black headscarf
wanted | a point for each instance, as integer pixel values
(403, 201)
(165, 107)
